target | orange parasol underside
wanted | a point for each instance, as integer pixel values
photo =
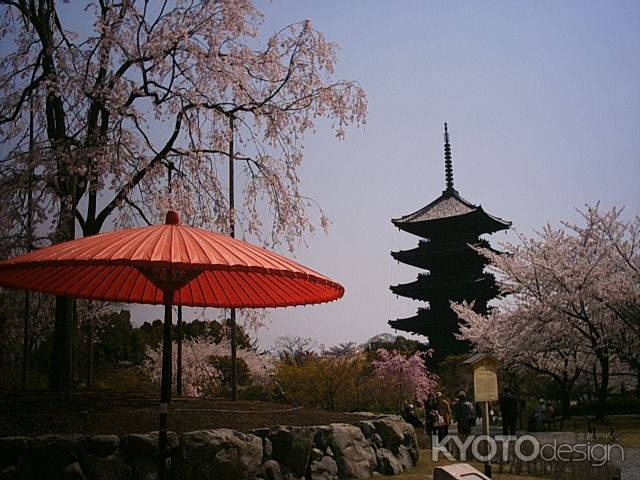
(219, 271)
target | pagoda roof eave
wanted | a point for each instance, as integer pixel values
(450, 210)
(476, 222)
(424, 250)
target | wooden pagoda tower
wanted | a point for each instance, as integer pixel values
(449, 226)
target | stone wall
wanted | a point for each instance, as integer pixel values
(383, 444)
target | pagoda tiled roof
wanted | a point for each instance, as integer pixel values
(450, 207)
(449, 204)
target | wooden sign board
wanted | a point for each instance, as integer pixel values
(485, 385)
(485, 378)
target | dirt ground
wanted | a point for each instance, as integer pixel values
(121, 413)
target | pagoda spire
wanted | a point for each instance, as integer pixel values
(448, 165)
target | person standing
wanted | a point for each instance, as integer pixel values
(430, 408)
(464, 415)
(509, 409)
(410, 417)
(444, 410)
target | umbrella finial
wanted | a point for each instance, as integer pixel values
(173, 218)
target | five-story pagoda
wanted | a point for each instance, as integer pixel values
(449, 227)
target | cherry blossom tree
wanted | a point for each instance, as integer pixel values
(199, 373)
(525, 339)
(573, 293)
(153, 88)
(402, 379)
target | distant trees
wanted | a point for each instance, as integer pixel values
(206, 367)
(574, 295)
(346, 377)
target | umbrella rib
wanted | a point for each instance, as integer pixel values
(248, 285)
(138, 286)
(215, 245)
(256, 284)
(219, 292)
(198, 282)
(284, 285)
(195, 252)
(224, 280)
(160, 245)
(137, 243)
(56, 278)
(103, 288)
(279, 292)
(92, 275)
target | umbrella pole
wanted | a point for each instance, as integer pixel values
(165, 385)
(179, 354)
(234, 361)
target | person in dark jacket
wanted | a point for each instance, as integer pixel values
(444, 416)
(463, 414)
(430, 405)
(509, 409)
(411, 418)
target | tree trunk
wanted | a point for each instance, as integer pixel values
(603, 389)
(565, 405)
(61, 355)
(90, 341)
(61, 371)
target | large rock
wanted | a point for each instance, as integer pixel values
(404, 456)
(269, 470)
(102, 445)
(325, 469)
(51, 453)
(71, 472)
(147, 444)
(13, 448)
(388, 464)
(410, 440)
(353, 454)
(220, 454)
(320, 436)
(267, 448)
(143, 468)
(366, 427)
(390, 431)
(112, 467)
(292, 447)
(20, 471)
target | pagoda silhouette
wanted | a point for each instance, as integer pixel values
(449, 227)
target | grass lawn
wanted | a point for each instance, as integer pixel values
(626, 428)
(425, 467)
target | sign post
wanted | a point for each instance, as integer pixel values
(485, 390)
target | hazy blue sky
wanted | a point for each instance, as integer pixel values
(543, 104)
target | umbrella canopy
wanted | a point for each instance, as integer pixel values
(138, 265)
(173, 265)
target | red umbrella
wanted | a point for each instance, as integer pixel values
(168, 264)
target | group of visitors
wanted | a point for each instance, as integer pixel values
(543, 417)
(439, 414)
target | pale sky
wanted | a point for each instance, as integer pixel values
(543, 104)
